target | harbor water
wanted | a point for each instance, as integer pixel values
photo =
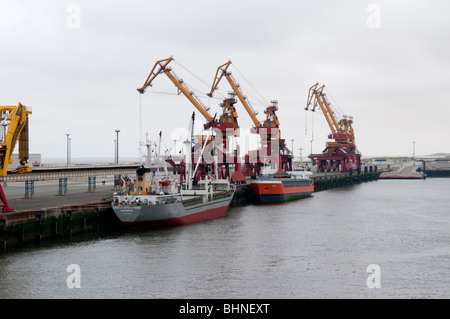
(325, 246)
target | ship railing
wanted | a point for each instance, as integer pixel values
(137, 200)
(192, 201)
(222, 194)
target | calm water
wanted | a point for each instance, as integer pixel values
(319, 247)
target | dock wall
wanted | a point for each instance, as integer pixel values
(32, 226)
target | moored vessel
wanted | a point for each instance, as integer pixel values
(281, 187)
(171, 203)
(159, 199)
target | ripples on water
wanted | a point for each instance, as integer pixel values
(318, 247)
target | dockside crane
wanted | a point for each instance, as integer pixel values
(13, 129)
(340, 154)
(225, 124)
(268, 130)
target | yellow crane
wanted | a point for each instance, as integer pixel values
(13, 129)
(341, 131)
(160, 67)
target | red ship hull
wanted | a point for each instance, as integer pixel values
(184, 220)
(281, 191)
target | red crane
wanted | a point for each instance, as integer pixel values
(273, 148)
(227, 123)
(340, 154)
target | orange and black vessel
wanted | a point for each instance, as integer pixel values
(282, 187)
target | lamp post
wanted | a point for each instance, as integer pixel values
(117, 146)
(414, 151)
(68, 149)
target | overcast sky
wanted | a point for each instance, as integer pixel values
(78, 64)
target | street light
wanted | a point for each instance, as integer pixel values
(68, 149)
(117, 146)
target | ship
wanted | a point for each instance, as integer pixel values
(159, 199)
(283, 186)
(170, 203)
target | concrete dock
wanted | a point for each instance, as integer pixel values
(406, 171)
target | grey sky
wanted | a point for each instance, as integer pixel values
(393, 80)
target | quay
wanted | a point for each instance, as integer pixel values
(81, 208)
(406, 171)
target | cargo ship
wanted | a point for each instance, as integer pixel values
(282, 187)
(169, 203)
(159, 199)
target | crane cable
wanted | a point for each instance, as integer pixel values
(339, 111)
(198, 78)
(260, 95)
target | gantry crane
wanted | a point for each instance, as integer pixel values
(227, 122)
(341, 154)
(14, 128)
(268, 130)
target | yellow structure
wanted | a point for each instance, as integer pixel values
(161, 66)
(342, 130)
(13, 129)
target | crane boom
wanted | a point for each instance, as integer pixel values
(161, 67)
(315, 94)
(222, 71)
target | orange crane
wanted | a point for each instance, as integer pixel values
(341, 154)
(268, 130)
(227, 122)
(13, 129)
